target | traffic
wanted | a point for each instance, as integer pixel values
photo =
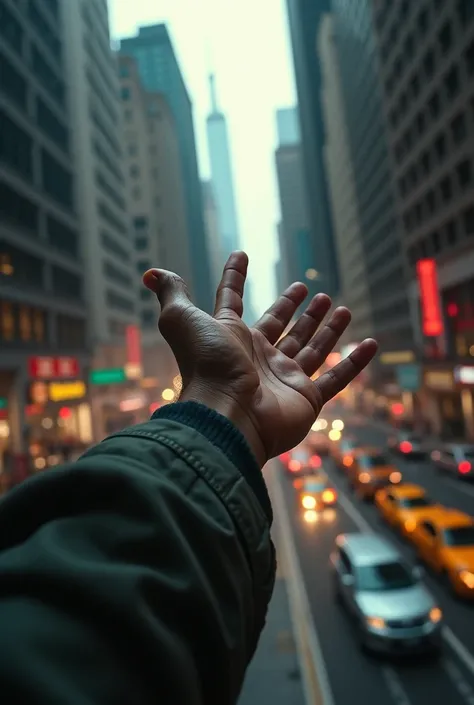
(387, 562)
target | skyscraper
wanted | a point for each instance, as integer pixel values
(304, 17)
(161, 73)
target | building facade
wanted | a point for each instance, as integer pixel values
(43, 315)
(112, 283)
(214, 239)
(426, 54)
(160, 72)
(304, 17)
(378, 220)
(342, 189)
(298, 250)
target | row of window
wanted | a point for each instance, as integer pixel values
(44, 29)
(105, 133)
(421, 169)
(116, 274)
(62, 238)
(11, 30)
(443, 238)
(108, 215)
(47, 77)
(12, 83)
(109, 191)
(22, 324)
(117, 301)
(51, 126)
(110, 244)
(112, 167)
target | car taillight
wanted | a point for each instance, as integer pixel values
(464, 467)
(406, 447)
(285, 458)
(347, 462)
(329, 496)
(315, 461)
(294, 465)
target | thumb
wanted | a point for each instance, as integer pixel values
(173, 295)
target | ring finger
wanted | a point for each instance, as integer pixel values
(306, 326)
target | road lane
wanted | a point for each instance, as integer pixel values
(350, 671)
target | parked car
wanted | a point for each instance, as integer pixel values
(407, 443)
(392, 610)
(455, 458)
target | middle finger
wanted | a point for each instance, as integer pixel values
(313, 355)
(306, 326)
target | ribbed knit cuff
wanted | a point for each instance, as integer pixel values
(225, 436)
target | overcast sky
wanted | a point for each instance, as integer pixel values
(246, 43)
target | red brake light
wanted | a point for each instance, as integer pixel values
(294, 465)
(285, 457)
(329, 496)
(315, 461)
(406, 447)
(464, 467)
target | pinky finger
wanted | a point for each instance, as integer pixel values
(336, 379)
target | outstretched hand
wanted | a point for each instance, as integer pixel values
(258, 379)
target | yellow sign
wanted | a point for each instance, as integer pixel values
(65, 391)
(133, 371)
(400, 357)
(439, 379)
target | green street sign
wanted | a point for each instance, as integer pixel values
(115, 375)
(3, 403)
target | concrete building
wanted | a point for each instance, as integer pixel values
(43, 315)
(304, 17)
(342, 189)
(298, 249)
(426, 54)
(160, 72)
(378, 222)
(112, 283)
(214, 240)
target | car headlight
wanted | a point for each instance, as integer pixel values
(376, 622)
(467, 578)
(435, 615)
(308, 502)
(395, 477)
(364, 478)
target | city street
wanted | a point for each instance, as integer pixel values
(350, 672)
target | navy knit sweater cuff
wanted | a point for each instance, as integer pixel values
(225, 436)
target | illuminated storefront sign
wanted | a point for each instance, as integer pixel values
(114, 375)
(438, 379)
(464, 374)
(399, 357)
(134, 353)
(53, 367)
(429, 296)
(65, 391)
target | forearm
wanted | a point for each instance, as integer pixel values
(140, 574)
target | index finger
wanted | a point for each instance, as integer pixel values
(336, 379)
(230, 292)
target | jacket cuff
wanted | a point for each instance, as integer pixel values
(226, 437)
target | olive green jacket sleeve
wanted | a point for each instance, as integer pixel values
(140, 574)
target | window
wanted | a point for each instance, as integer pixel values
(145, 294)
(66, 284)
(420, 123)
(107, 214)
(422, 22)
(114, 247)
(15, 147)
(445, 37)
(465, 11)
(426, 163)
(446, 188)
(430, 202)
(26, 323)
(469, 58)
(428, 64)
(125, 93)
(468, 218)
(140, 222)
(415, 86)
(62, 237)
(18, 210)
(24, 269)
(409, 47)
(458, 128)
(429, 528)
(464, 173)
(451, 232)
(43, 30)
(452, 82)
(141, 243)
(435, 242)
(384, 577)
(440, 147)
(51, 126)
(10, 29)
(143, 265)
(71, 332)
(7, 321)
(117, 301)
(116, 274)
(12, 83)
(57, 182)
(148, 318)
(47, 76)
(434, 105)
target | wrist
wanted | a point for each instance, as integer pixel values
(225, 405)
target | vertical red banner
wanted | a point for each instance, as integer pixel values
(432, 318)
(134, 348)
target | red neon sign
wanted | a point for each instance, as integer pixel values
(53, 367)
(134, 349)
(429, 295)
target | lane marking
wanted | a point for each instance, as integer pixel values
(460, 683)
(449, 636)
(315, 676)
(395, 687)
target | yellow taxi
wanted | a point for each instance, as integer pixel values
(446, 544)
(402, 506)
(314, 492)
(371, 470)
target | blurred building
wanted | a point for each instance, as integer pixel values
(426, 55)
(112, 284)
(342, 190)
(160, 72)
(43, 318)
(214, 240)
(378, 222)
(304, 17)
(157, 210)
(298, 250)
